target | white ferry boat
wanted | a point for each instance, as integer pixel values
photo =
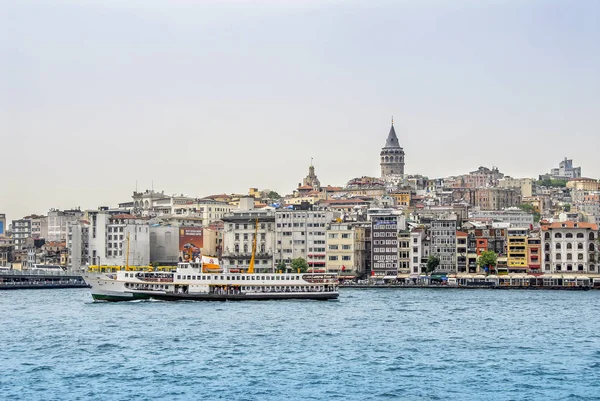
(190, 281)
(203, 280)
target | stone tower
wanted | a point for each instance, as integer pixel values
(392, 155)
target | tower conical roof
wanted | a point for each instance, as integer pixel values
(392, 139)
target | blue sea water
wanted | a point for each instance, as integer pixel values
(371, 344)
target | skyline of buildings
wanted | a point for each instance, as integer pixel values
(384, 226)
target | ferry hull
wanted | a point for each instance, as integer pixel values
(132, 296)
(246, 297)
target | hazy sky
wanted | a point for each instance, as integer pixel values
(205, 97)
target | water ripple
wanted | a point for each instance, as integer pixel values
(371, 345)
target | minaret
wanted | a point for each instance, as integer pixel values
(392, 155)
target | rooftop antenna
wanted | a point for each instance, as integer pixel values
(392, 120)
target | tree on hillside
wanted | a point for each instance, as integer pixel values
(273, 195)
(567, 207)
(488, 259)
(299, 264)
(548, 182)
(432, 263)
(529, 208)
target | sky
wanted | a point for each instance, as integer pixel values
(98, 97)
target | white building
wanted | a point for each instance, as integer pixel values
(570, 247)
(301, 233)
(78, 244)
(58, 221)
(515, 216)
(419, 251)
(239, 228)
(111, 235)
(157, 204)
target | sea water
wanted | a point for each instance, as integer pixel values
(371, 344)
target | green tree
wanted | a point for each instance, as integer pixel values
(432, 263)
(273, 195)
(567, 207)
(529, 208)
(299, 264)
(282, 266)
(488, 259)
(548, 182)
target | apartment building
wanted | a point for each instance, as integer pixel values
(239, 228)
(443, 242)
(301, 233)
(570, 247)
(345, 248)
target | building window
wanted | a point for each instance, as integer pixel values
(557, 235)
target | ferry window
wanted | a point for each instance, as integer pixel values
(179, 277)
(262, 278)
(243, 278)
(189, 277)
(222, 277)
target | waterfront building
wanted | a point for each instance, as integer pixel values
(565, 170)
(443, 242)
(164, 245)
(516, 247)
(385, 226)
(58, 220)
(78, 244)
(419, 251)
(515, 216)
(404, 252)
(21, 230)
(392, 155)
(239, 228)
(345, 248)
(110, 235)
(570, 247)
(461, 251)
(534, 253)
(301, 233)
(6, 251)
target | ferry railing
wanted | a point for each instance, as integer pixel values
(14, 272)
